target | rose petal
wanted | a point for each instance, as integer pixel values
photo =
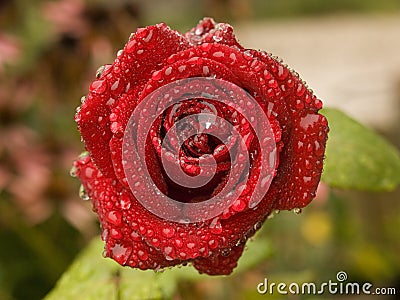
(304, 137)
(123, 243)
(219, 263)
(208, 31)
(145, 52)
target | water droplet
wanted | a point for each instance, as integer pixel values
(89, 172)
(156, 75)
(125, 202)
(226, 252)
(241, 241)
(218, 54)
(168, 71)
(121, 253)
(73, 171)
(114, 217)
(181, 68)
(297, 210)
(99, 71)
(239, 205)
(168, 250)
(213, 244)
(115, 233)
(98, 86)
(282, 72)
(215, 226)
(300, 90)
(217, 38)
(168, 232)
(257, 225)
(178, 243)
(148, 37)
(83, 194)
(143, 255)
(309, 121)
(190, 245)
(135, 236)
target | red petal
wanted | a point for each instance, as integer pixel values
(219, 263)
(123, 243)
(208, 31)
(144, 53)
(304, 139)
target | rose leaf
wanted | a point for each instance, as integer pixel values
(357, 157)
(93, 277)
(89, 277)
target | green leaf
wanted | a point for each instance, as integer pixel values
(89, 277)
(357, 157)
(93, 277)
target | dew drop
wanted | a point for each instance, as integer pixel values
(181, 68)
(143, 255)
(300, 90)
(239, 205)
(199, 30)
(215, 226)
(168, 232)
(206, 47)
(100, 71)
(98, 86)
(257, 225)
(125, 202)
(217, 38)
(156, 75)
(168, 71)
(115, 233)
(83, 194)
(115, 85)
(114, 217)
(218, 54)
(168, 250)
(226, 252)
(89, 172)
(212, 244)
(148, 37)
(121, 253)
(297, 210)
(130, 46)
(282, 72)
(178, 243)
(309, 121)
(190, 245)
(135, 236)
(110, 102)
(73, 171)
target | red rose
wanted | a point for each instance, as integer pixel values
(193, 141)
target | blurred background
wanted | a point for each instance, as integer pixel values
(346, 50)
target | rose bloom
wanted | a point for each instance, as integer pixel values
(129, 190)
